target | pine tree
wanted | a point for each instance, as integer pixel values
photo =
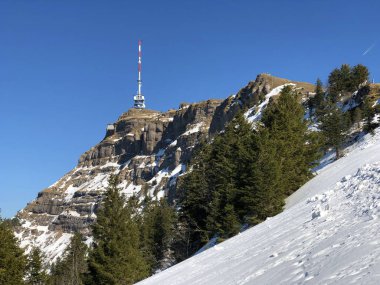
(369, 114)
(12, 258)
(35, 274)
(58, 273)
(263, 196)
(360, 75)
(334, 126)
(296, 148)
(357, 116)
(335, 85)
(346, 78)
(116, 258)
(244, 155)
(229, 222)
(228, 159)
(319, 95)
(196, 200)
(72, 268)
(157, 233)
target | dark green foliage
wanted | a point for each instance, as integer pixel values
(12, 258)
(210, 204)
(346, 79)
(35, 273)
(115, 257)
(363, 92)
(58, 275)
(334, 123)
(369, 114)
(72, 268)
(316, 103)
(261, 195)
(336, 84)
(360, 75)
(357, 116)
(334, 126)
(157, 231)
(296, 148)
(243, 176)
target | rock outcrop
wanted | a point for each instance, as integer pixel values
(252, 95)
(147, 149)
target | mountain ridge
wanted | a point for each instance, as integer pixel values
(147, 149)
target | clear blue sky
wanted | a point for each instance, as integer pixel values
(67, 68)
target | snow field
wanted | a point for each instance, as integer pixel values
(328, 234)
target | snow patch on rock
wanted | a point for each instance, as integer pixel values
(254, 114)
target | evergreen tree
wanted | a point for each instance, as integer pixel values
(196, 200)
(360, 75)
(220, 177)
(76, 259)
(346, 79)
(334, 126)
(12, 258)
(357, 116)
(229, 222)
(319, 95)
(58, 273)
(116, 258)
(369, 114)
(335, 85)
(73, 266)
(244, 156)
(35, 274)
(157, 233)
(296, 148)
(262, 194)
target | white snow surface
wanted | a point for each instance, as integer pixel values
(329, 233)
(194, 129)
(367, 150)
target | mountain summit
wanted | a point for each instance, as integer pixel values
(147, 149)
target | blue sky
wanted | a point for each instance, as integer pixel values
(67, 68)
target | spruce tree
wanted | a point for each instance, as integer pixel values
(229, 222)
(262, 195)
(35, 274)
(335, 85)
(115, 257)
(319, 95)
(369, 114)
(296, 147)
(12, 258)
(357, 116)
(58, 273)
(73, 266)
(157, 233)
(334, 126)
(360, 75)
(196, 200)
(227, 161)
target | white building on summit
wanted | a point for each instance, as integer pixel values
(139, 98)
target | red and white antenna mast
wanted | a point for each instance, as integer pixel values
(139, 98)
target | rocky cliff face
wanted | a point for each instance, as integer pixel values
(252, 95)
(147, 149)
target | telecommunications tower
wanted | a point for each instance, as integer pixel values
(139, 98)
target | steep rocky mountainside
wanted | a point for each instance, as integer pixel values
(147, 149)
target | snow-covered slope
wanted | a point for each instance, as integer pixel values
(367, 150)
(329, 234)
